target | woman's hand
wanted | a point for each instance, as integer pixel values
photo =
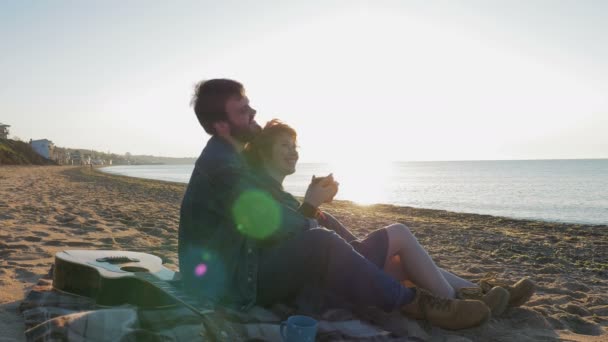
(328, 181)
(321, 190)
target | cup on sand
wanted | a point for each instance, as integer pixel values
(299, 329)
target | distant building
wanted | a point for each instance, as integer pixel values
(86, 159)
(43, 147)
(62, 157)
(75, 158)
(4, 131)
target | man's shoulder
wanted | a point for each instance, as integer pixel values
(218, 155)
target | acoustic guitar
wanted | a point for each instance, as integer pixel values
(118, 277)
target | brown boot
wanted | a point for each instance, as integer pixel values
(520, 292)
(447, 313)
(497, 299)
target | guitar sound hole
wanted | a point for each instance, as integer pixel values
(134, 269)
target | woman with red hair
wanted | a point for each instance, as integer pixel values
(273, 155)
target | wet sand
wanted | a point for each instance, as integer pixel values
(47, 209)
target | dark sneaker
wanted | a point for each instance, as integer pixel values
(447, 313)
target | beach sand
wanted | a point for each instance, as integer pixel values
(47, 209)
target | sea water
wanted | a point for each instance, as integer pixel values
(574, 191)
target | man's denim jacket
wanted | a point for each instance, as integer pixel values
(223, 210)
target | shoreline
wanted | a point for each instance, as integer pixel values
(99, 169)
(46, 209)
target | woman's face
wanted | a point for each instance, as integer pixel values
(284, 155)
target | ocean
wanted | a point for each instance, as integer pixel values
(572, 191)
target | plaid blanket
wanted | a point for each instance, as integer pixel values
(51, 315)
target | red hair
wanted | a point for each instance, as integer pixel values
(261, 146)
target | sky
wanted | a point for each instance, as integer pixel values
(381, 80)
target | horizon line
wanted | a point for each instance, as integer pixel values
(413, 161)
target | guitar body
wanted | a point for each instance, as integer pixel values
(120, 277)
(116, 282)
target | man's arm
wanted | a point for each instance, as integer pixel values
(241, 197)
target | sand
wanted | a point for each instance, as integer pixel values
(47, 209)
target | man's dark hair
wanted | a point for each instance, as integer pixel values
(261, 147)
(209, 100)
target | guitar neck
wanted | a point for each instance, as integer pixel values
(216, 328)
(176, 294)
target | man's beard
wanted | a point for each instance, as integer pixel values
(244, 134)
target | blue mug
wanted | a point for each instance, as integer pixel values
(299, 329)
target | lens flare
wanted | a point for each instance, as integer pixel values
(206, 256)
(256, 214)
(200, 270)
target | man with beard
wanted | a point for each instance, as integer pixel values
(224, 215)
(238, 246)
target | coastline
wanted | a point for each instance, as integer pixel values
(45, 209)
(572, 194)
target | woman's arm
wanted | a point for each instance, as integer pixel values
(328, 221)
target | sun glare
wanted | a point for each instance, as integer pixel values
(363, 182)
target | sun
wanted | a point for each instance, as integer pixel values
(363, 181)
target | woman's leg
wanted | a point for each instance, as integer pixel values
(415, 262)
(393, 267)
(418, 267)
(456, 281)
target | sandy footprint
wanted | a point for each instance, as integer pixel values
(23, 256)
(25, 275)
(32, 238)
(78, 244)
(40, 234)
(579, 325)
(54, 243)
